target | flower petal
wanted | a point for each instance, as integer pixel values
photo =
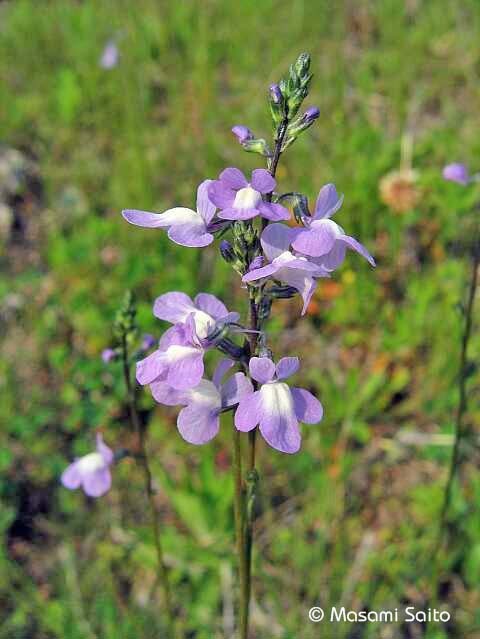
(273, 212)
(262, 181)
(233, 178)
(275, 240)
(328, 202)
(173, 307)
(278, 422)
(231, 213)
(302, 281)
(105, 451)
(163, 393)
(145, 218)
(175, 335)
(258, 273)
(185, 367)
(334, 258)
(287, 367)
(235, 388)
(261, 369)
(205, 393)
(247, 414)
(307, 407)
(352, 243)
(223, 366)
(220, 194)
(197, 424)
(212, 305)
(150, 368)
(317, 240)
(191, 236)
(71, 477)
(97, 483)
(205, 207)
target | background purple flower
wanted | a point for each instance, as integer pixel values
(108, 355)
(238, 199)
(276, 407)
(110, 55)
(456, 172)
(199, 421)
(91, 472)
(148, 341)
(296, 271)
(324, 239)
(185, 226)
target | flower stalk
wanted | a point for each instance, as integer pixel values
(125, 328)
(464, 369)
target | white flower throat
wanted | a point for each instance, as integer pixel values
(247, 198)
(204, 324)
(91, 462)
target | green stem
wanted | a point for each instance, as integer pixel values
(143, 459)
(239, 506)
(462, 390)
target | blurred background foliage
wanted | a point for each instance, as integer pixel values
(352, 519)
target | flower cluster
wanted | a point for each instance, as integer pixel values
(275, 259)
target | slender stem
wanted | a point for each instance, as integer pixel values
(460, 430)
(239, 506)
(162, 573)
(277, 152)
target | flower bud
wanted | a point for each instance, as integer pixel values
(276, 94)
(302, 65)
(277, 104)
(258, 145)
(311, 114)
(242, 133)
(226, 251)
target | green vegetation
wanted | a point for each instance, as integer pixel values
(353, 518)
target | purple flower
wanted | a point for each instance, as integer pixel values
(456, 172)
(276, 407)
(199, 421)
(242, 133)
(185, 226)
(91, 472)
(179, 358)
(147, 342)
(108, 355)
(296, 271)
(109, 57)
(324, 239)
(238, 199)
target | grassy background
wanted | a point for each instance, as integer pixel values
(352, 518)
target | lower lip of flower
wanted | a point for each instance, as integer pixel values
(247, 198)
